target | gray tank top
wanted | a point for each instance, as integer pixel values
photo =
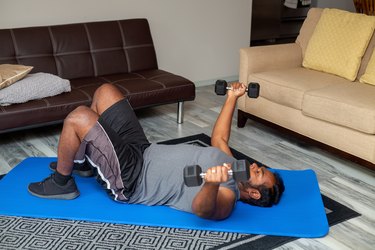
(161, 181)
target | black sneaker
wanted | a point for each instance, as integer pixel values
(83, 169)
(49, 189)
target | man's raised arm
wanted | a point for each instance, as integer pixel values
(221, 131)
(213, 201)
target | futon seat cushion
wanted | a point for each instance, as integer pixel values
(143, 89)
(350, 105)
(287, 86)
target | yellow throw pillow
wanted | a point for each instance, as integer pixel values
(369, 75)
(10, 73)
(338, 43)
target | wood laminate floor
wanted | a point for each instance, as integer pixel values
(342, 180)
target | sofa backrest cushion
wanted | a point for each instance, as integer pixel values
(308, 28)
(339, 42)
(369, 75)
(81, 50)
(366, 57)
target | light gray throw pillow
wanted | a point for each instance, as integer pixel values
(33, 86)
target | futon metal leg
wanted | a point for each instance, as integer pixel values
(180, 112)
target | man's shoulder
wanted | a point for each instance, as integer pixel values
(189, 150)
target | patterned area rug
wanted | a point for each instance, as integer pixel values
(32, 233)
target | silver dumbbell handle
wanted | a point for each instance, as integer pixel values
(230, 172)
(230, 88)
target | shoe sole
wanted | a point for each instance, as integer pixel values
(69, 196)
(88, 173)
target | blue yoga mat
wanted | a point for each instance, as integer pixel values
(300, 212)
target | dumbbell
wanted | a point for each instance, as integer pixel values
(221, 87)
(193, 175)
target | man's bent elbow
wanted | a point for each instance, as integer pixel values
(211, 215)
(217, 141)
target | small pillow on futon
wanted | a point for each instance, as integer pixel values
(11, 73)
(33, 86)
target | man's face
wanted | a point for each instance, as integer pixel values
(261, 176)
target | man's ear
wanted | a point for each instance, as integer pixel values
(254, 193)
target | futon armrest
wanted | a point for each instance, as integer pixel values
(270, 57)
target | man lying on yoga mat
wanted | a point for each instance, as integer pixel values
(108, 137)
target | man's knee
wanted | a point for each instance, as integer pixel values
(78, 116)
(81, 120)
(104, 88)
(105, 96)
(108, 90)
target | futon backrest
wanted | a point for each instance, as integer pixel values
(81, 50)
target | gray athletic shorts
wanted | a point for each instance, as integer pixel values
(115, 146)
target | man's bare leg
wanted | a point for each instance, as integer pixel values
(104, 97)
(61, 185)
(79, 122)
(76, 126)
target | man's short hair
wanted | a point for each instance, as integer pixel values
(269, 196)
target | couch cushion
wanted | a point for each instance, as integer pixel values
(287, 86)
(369, 75)
(33, 86)
(338, 43)
(366, 57)
(350, 105)
(11, 73)
(143, 89)
(153, 87)
(81, 50)
(308, 28)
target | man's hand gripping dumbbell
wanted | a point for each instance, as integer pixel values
(221, 87)
(193, 175)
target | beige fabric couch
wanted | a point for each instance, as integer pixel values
(321, 106)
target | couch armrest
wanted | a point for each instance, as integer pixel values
(270, 57)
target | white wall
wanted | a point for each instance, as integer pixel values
(198, 39)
